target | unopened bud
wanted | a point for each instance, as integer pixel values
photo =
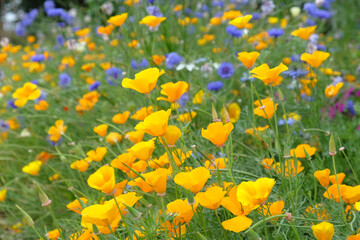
(214, 114)
(251, 234)
(133, 212)
(332, 146)
(28, 219)
(281, 95)
(45, 201)
(226, 115)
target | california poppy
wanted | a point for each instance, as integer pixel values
(103, 179)
(269, 76)
(144, 81)
(193, 180)
(253, 194)
(118, 20)
(217, 132)
(304, 33)
(315, 59)
(211, 198)
(323, 177)
(29, 91)
(143, 150)
(152, 21)
(173, 91)
(323, 231)
(248, 58)
(155, 124)
(241, 22)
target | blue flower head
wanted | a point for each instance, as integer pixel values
(215, 86)
(94, 86)
(234, 31)
(276, 32)
(64, 80)
(172, 60)
(226, 70)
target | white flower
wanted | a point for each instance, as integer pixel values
(189, 67)
(295, 11)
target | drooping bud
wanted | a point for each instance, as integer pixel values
(45, 201)
(332, 146)
(214, 114)
(28, 219)
(226, 115)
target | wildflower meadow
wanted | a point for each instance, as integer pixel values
(169, 119)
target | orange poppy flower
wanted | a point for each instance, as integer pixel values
(53, 235)
(266, 108)
(300, 150)
(211, 198)
(171, 136)
(182, 210)
(103, 179)
(315, 59)
(241, 22)
(248, 58)
(113, 138)
(143, 150)
(290, 168)
(323, 177)
(187, 117)
(118, 20)
(218, 163)
(135, 136)
(304, 33)
(152, 21)
(81, 165)
(340, 178)
(269, 76)
(331, 91)
(75, 205)
(157, 179)
(33, 168)
(217, 133)
(121, 118)
(3, 194)
(101, 130)
(193, 180)
(41, 106)
(237, 224)
(142, 113)
(121, 160)
(28, 91)
(155, 124)
(253, 194)
(142, 184)
(267, 163)
(98, 154)
(144, 81)
(56, 131)
(173, 91)
(272, 209)
(323, 231)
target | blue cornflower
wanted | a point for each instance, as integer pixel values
(234, 31)
(215, 86)
(276, 32)
(94, 86)
(172, 60)
(226, 70)
(38, 58)
(64, 80)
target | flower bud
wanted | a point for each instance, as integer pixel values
(43, 197)
(332, 146)
(133, 212)
(251, 234)
(226, 115)
(214, 114)
(28, 219)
